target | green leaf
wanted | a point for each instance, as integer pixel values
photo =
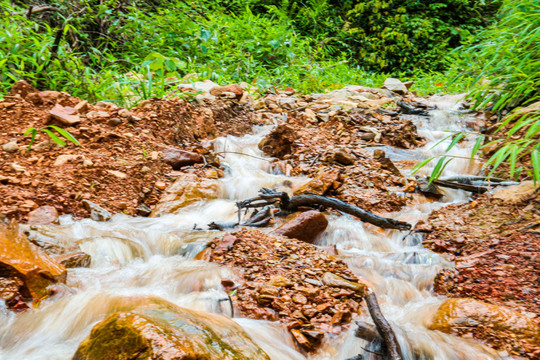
(535, 162)
(455, 140)
(421, 164)
(439, 168)
(65, 134)
(54, 138)
(477, 145)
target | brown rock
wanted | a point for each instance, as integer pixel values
(48, 97)
(73, 260)
(22, 88)
(306, 226)
(320, 184)
(187, 189)
(386, 163)
(158, 330)
(515, 193)
(36, 269)
(43, 215)
(462, 313)
(344, 157)
(178, 158)
(279, 142)
(330, 279)
(232, 88)
(65, 115)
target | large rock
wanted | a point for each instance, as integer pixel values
(306, 226)
(36, 269)
(178, 158)
(320, 184)
(161, 330)
(43, 215)
(463, 313)
(515, 193)
(65, 115)
(279, 142)
(395, 85)
(187, 189)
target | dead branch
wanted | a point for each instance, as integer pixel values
(36, 9)
(288, 205)
(383, 327)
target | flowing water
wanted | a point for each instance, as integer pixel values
(152, 256)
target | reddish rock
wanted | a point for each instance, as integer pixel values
(22, 88)
(306, 226)
(73, 260)
(65, 115)
(320, 184)
(232, 88)
(48, 97)
(279, 142)
(43, 215)
(178, 158)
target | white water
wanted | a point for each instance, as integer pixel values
(151, 256)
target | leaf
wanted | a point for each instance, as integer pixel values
(65, 134)
(455, 140)
(54, 138)
(477, 144)
(32, 139)
(421, 165)
(535, 162)
(438, 169)
(274, 43)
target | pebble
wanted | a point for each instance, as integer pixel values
(10, 147)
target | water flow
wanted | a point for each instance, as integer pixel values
(152, 256)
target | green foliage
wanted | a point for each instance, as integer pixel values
(62, 133)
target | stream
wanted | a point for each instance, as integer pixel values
(152, 256)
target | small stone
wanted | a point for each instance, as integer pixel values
(63, 159)
(118, 174)
(331, 279)
(259, 104)
(154, 155)
(395, 85)
(145, 169)
(344, 158)
(10, 147)
(97, 213)
(115, 122)
(106, 105)
(43, 215)
(92, 115)
(143, 210)
(279, 281)
(74, 260)
(124, 113)
(18, 167)
(64, 114)
(178, 158)
(161, 185)
(82, 107)
(87, 163)
(306, 226)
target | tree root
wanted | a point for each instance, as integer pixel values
(290, 204)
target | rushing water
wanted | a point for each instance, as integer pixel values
(152, 256)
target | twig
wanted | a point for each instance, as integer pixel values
(383, 327)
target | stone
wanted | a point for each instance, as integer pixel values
(118, 174)
(82, 107)
(64, 159)
(22, 88)
(331, 279)
(93, 115)
(186, 190)
(178, 158)
(157, 329)
(387, 164)
(320, 184)
(143, 210)
(259, 104)
(515, 193)
(10, 147)
(232, 88)
(124, 113)
(344, 158)
(74, 260)
(97, 213)
(17, 167)
(114, 121)
(306, 226)
(279, 142)
(49, 97)
(461, 313)
(395, 85)
(279, 281)
(43, 215)
(65, 115)
(36, 269)
(106, 105)
(87, 163)
(310, 116)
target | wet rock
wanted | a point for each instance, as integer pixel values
(65, 115)
(187, 189)
(344, 157)
(330, 279)
(10, 147)
(143, 210)
(33, 267)
(461, 313)
(386, 163)
(395, 85)
(306, 226)
(178, 158)
(43, 215)
(97, 213)
(321, 183)
(74, 260)
(515, 193)
(162, 330)
(279, 142)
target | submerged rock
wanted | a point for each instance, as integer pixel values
(306, 226)
(34, 268)
(157, 329)
(187, 189)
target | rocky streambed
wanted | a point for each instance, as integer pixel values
(114, 257)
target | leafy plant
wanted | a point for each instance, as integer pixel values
(56, 138)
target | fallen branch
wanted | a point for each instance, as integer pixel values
(36, 9)
(288, 205)
(383, 327)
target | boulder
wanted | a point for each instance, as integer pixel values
(178, 158)
(462, 313)
(515, 193)
(395, 85)
(187, 189)
(320, 184)
(161, 330)
(43, 215)
(306, 226)
(279, 142)
(34, 268)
